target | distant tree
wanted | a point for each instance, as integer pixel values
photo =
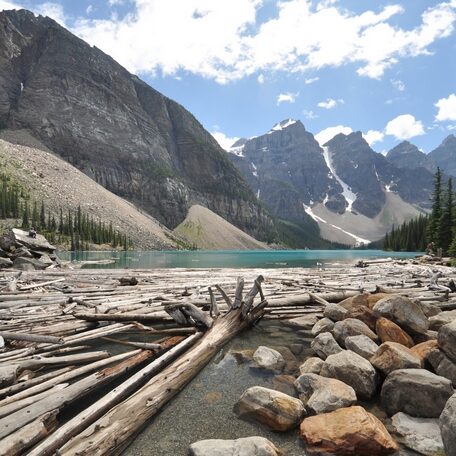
(445, 226)
(436, 214)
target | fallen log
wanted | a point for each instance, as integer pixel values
(110, 434)
(121, 317)
(8, 335)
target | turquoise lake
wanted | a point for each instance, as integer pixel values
(227, 258)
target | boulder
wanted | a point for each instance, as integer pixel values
(321, 395)
(242, 356)
(351, 327)
(3, 254)
(268, 359)
(335, 312)
(311, 365)
(428, 309)
(391, 356)
(7, 244)
(284, 384)
(364, 314)
(5, 263)
(28, 264)
(347, 432)
(364, 299)
(419, 434)
(305, 322)
(403, 311)
(388, 331)
(39, 243)
(354, 370)
(448, 426)
(324, 325)
(442, 365)
(324, 345)
(416, 392)
(276, 410)
(447, 339)
(443, 318)
(422, 350)
(362, 345)
(248, 446)
(22, 252)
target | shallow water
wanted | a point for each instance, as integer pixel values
(227, 258)
(204, 409)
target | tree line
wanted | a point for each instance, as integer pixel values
(76, 228)
(434, 231)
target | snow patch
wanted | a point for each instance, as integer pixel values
(310, 212)
(347, 193)
(258, 194)
(281, 125)
(237, 150)
(22, 87)
(254, 172)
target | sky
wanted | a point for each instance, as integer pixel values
(387, 69)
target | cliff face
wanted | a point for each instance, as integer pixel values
(128, 137)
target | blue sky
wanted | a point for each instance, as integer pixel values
(387, 69)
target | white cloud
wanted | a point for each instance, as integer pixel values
(330, 103)
(116, 2)
(311, 80)
(328, 133)
(4, 5)
(260, 79)
(309, 114)
(225, 41)
(373, 136)
(89, 9)
(447, 108)
(52, 10)
(404, 127)
(287, 97)
(398, 84)
(224, 141)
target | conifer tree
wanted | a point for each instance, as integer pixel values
(433, 226)
(445, 226)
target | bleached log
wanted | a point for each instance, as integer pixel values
(8, 335)
(238, 293)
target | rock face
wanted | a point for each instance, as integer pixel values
(269, 359)
(351, 327)
(144, 146)
(444, 156)
(419, 434)
(324, 345)
(391, 356)
(403, 311)
(417, 392)
(249, 446)
(447, 339)
(388, 331)
(276, 410)
(321, 395)
(448, 426)
(354, 370)
(346, 432)
(407, 155)
(362, 345)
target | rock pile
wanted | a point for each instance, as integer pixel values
(20, 251)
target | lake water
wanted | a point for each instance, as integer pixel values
(226, 258)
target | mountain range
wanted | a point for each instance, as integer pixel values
(61, 96)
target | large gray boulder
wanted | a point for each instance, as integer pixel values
(391, 356)
(443, 318)
(324, 325)
(448, 426)
(29, 264)
(304, 322)
(276, 410)
(416, 392)
(248, 446)
(442, 365)
(324, 345)
(362, 345)
(447, 339)
(419, 434)
(39, 243)
(354, 370)
(321, 395)
(335, 312)
(351, 327)
(5, 263)
(269, 359)
(403, 311)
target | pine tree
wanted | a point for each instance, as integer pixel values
(433, 226)
(445, 226)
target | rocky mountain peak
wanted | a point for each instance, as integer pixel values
(450, 140)
(407, 155)
(286, 123)
(444, 156)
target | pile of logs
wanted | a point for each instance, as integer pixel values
(61, 391)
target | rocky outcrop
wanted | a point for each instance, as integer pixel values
(354, 370)
(407, 155)
(321, 395)
(346, 432)
(444, 156)
(248, 446)
(276, 410)
(430, 390)
(108, 123)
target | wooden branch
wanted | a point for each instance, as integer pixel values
(42, 284)
(250, 296)
(8, 335)
(143, 345)
(225, 296)
(238, 293)
(318, 299)
(190, 312)
(120, 317)
(214, 312)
